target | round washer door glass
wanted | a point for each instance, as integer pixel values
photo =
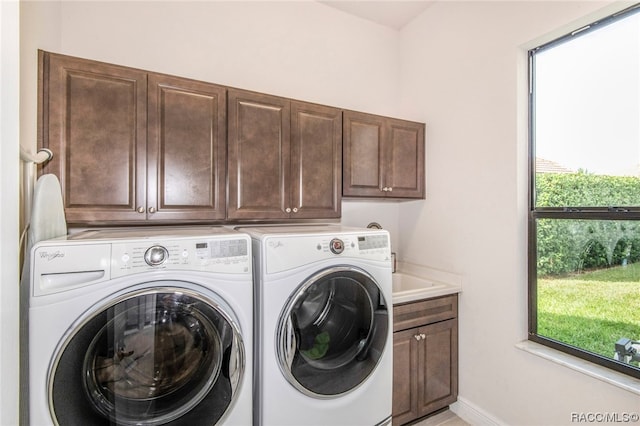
(332, 332)
(165, 355)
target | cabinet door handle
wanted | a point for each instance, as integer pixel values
(422, 336)
(385, 189)
(288, 210)
(390, 189)
(152, 209)
(295, 210)
(140, 209)
(417, 337)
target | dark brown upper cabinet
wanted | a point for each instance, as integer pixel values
(316, 161)
(132, 146)
(284, 158)
(186, 150)
(383, 157)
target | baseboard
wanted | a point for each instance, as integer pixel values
(472, 414)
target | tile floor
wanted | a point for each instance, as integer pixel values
(446, 418)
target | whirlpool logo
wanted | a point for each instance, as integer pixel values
(275, 244)
(49, 256)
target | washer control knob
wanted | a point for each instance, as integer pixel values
(156, 255)
(336, 246)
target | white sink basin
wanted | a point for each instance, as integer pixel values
(407, 288)
(403, 283)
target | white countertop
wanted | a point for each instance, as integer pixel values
(413, 282)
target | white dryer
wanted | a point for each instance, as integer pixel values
(141, 326)
(323, 349)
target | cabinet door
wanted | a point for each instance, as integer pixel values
(405, 159)
(363, 155)
(438, 366)
(316, 161)
(405, 376)
(383, 157)
(186, 149)
(93, 118)
(259, 156)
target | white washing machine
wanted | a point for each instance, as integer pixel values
(323, 348)
(141, 326)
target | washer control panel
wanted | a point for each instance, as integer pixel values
(156, 255)
(57, 266)
(228, 255)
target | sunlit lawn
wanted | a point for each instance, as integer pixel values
(591, 310)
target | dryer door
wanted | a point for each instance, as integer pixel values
(332, 332)
(161, 355)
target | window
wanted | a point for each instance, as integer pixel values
(584, 222)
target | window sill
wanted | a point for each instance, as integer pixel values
(614, 378)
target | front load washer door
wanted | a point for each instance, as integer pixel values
(160, 355)
(332, 332)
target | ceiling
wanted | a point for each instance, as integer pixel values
(393, 14)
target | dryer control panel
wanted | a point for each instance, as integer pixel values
(284, 252)
(373, 242)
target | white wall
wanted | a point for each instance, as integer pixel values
(296, 49)
(39, 29)
(9, 133)
(464, 74)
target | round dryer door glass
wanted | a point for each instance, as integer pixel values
(151, 357)
(332, 332)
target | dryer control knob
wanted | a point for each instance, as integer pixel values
(156, 255)
(336, 245)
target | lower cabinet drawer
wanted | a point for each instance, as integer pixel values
(415, 314)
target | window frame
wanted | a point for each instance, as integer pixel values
(566, 212)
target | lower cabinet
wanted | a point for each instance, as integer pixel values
(425, 357)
